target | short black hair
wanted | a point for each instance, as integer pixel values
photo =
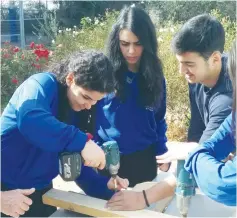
(203, 34)
(150, 77)
(92, 71)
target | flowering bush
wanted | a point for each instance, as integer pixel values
(18, 64)
(93, 34)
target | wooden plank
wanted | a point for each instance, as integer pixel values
(91, 206)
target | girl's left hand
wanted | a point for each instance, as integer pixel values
(126, 200)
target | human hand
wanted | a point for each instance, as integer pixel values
(15, 202)
(121, 183)
(93, 155)
(229, 157)
(164, 167)
(177, 151)
(126, 200)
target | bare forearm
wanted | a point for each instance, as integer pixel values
(161, 190)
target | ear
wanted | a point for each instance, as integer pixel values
(70, 79)
(216, 58)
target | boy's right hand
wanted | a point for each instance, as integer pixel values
(93, 155)
(176, 151)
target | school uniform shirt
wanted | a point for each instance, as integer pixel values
(216, 179)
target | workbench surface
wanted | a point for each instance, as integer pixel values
(67, 213)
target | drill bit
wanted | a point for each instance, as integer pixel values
(115, 183)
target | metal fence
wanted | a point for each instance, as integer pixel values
(14, 21)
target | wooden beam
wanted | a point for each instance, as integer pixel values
(91, 206)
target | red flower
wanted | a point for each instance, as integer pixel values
(23, 57)
(37, 52)
(37, 59)
(15, 81)
(42, 53)
(39, 46)
(16, 49)
(32, 45)
(6, 56)
(6, 43)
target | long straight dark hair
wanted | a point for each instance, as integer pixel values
(232, 72)
(150, 77)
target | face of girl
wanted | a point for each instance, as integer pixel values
(80, 98)
(131, 48)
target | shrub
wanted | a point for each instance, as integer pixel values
(93, 35)
(177, 115)
(180, 11)
(17, 65)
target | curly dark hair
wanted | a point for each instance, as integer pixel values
(150, 77)
(92, 70)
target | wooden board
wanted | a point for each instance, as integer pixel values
(91, 206)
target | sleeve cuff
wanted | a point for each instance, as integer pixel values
(94, 184)
(78, 143)
(191, 155)
(161, 149)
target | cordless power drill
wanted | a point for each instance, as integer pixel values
(185, 188)
(70, 164)
(112, 154)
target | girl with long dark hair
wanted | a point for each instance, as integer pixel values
(134, 114)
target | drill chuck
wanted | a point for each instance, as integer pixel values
(183, 204)
(185, 188)
(111, 150)
(113, 169)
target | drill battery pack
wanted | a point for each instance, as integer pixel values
(70, 165)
